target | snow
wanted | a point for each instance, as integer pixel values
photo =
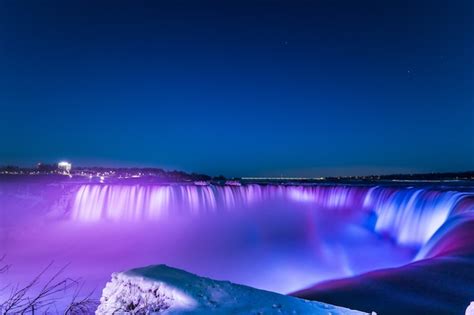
(161, 289)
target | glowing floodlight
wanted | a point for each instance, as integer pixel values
(470, 309)
(64, 166)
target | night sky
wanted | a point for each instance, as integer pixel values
(239, 88)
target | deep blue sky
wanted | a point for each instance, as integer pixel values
(237, 87)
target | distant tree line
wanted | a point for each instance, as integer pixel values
(468, 175)
(175, 175)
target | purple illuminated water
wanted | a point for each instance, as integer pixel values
(275, 237)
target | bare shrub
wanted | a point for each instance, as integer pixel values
(42, 297)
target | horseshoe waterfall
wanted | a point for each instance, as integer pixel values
(308, 240)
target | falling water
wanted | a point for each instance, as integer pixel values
(410, 215)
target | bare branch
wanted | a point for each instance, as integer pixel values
(32, 297)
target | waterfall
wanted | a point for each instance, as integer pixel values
(144, 202)
(412, 215)
(409, 215)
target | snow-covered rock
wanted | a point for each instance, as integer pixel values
(164, 290)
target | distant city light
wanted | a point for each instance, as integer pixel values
(283, 178)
